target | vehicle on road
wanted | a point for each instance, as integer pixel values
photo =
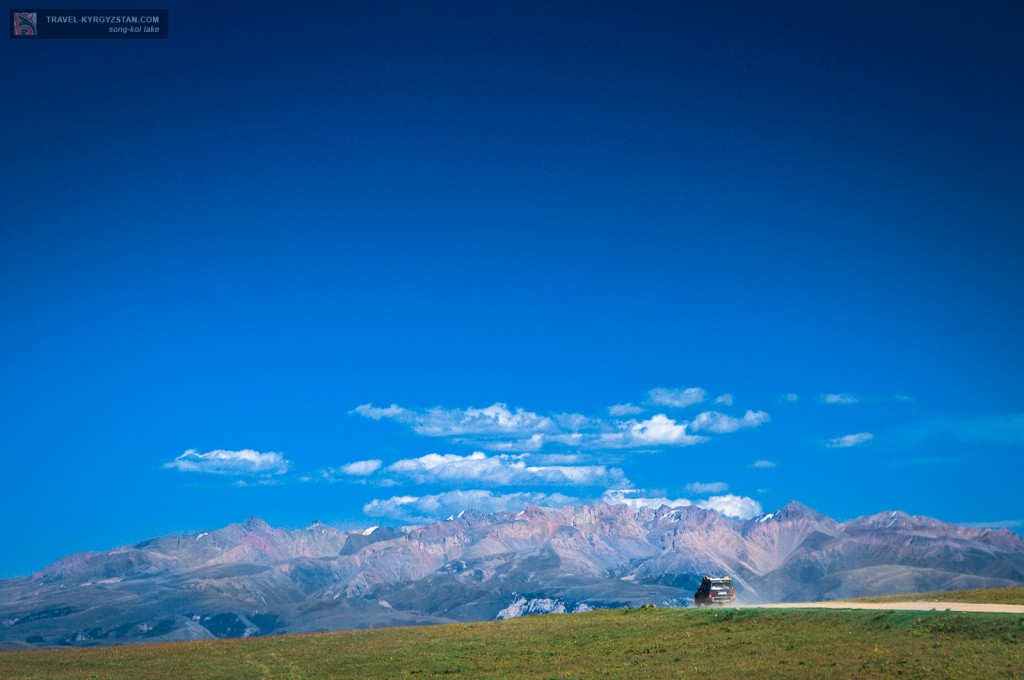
(714, 590)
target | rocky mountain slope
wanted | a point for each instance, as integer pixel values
(252, 579)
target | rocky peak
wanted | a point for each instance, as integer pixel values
(255, 525)
(795, 510)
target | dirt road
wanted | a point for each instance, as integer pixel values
(912, 606)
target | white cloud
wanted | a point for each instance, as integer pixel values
(394, 412)
(534, 442)
(789, 398)
(845, 398)
(361, 468)
(725, 399)
(624, 410)
(701, 488)
(719, 423)
(501, 469)
(500, 428)
(257, 481)
(762, 464)
(740, 507)
(396, 507)
(555, 458)
(220, 462)
(729, 505)
(494, 420)
(442, 505)
(846, 441)
(575, 422)
(659, 430)
(631, 498)
(840, 398)
(664, 396)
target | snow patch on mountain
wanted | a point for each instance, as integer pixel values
(521, 606)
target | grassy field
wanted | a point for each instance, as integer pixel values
(632, 643)
(987, 596)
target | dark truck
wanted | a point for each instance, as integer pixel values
(714, 590)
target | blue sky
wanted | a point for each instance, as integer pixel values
(374, 262)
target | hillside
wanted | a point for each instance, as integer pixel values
(650, 643)
(986, 595)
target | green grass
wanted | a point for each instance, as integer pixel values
(984, 596)
(632, 643)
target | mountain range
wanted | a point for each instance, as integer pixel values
(251, 579)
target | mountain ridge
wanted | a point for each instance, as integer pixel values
(249, 578)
